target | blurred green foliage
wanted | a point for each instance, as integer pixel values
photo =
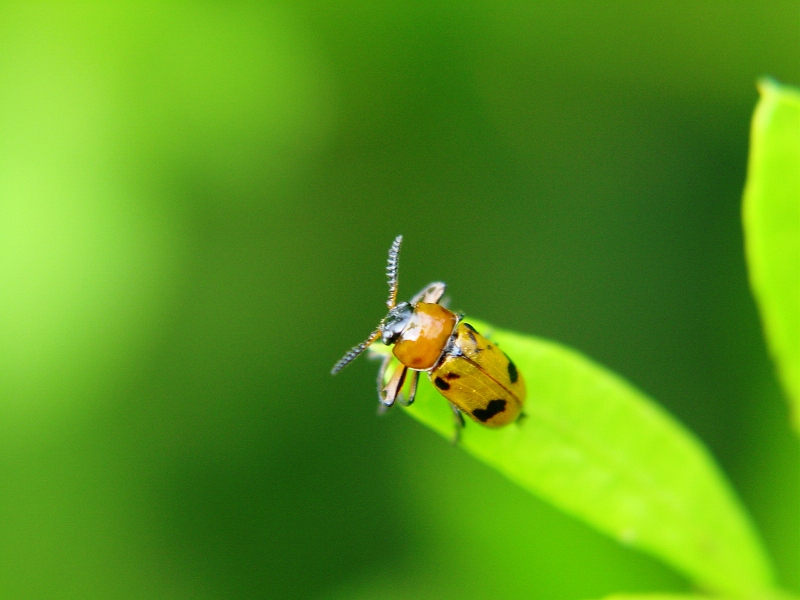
(195, 201)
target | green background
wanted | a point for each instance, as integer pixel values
(195, 205)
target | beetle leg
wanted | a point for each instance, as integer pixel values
(431, 294)
(412, 390)
(392, 389)
(459, 423)
(381, 374)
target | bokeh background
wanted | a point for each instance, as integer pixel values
(195, 205)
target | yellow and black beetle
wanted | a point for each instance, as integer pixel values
(475, 376)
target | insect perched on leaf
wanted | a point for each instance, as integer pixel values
(475, 376)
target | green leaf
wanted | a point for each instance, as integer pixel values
(771, 215)
(659, 596)
(773, 594)
(601, 450)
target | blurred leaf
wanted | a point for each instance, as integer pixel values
(772, 594)
(772, 228)
(657, 596)
(601, 450)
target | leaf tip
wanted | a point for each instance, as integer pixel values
(770, 88)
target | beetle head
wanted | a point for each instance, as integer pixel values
(395, 322)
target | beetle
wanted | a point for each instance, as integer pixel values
(473, 374)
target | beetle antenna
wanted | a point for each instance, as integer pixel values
(353, 353)
(391, 270)
(391, 274)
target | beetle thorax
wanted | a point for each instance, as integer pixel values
(424, 337)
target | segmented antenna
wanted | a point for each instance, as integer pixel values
(391, 270)
(353, 353)
(391, 274)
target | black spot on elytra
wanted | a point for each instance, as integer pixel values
(441, 383)
(513, 374)
(452, 376)
(494, 407)
(470, 327)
